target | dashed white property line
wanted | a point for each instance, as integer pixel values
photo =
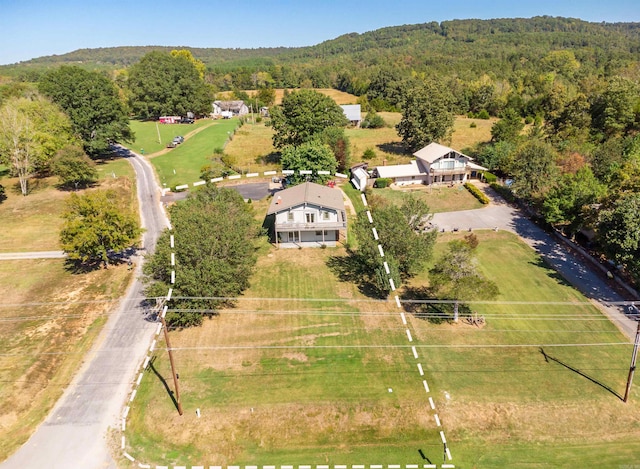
(399, 306)
(122, 445)
(375, 235)
(364, 200)
(129, 457)
(133, 395)
(415, 352)
(386, 266)
(426, 388)
(420, 369)
(322, 467)
(159, 329)
(144, 466)
(124, 424)
(126, 412)
(411, 466)
(444, 440)
(435, 416)
(358, 466)
(173, 277)
(448, 457)
(369, 216)
(376, 466)
(153, 345)
(146, 362)
(409, 335)
(380, 249)
(433, 406)
(392, 284)
(394, 466)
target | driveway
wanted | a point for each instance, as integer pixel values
(498, 214)
(251, 190)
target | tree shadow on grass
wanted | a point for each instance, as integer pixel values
(548, 357)
(395, 148)
(164, 382)
(350, 269)
(435, 313)
(551, 272)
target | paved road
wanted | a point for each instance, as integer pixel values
(10, 256)
(75, 432)
(570, 266)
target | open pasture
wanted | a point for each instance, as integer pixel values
(300, 372)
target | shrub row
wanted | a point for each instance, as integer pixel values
(505, 192)
(383, 182)
(490, 178)
(477, 193)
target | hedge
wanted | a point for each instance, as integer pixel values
(505, 192)
(490, 178)
(477, 193)
(383, 182)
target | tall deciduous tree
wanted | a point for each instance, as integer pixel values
(302, 116)
(95, 224)
(455, 276)
(74, 168)
(165, 84)
(31, 131)
(427, 115)
(567, 203)
(312, 156)
(340, 145)
(508, 128)
(615, 110)
(534, 169)
(406, 250)
(215, 251)
(619, 231)
(92, 103)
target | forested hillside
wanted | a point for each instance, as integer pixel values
(467, 49)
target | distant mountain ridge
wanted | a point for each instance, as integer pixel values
(466, 46)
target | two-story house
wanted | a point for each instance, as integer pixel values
(434, 164)
(307, 215)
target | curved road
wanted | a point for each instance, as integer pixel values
(74, 433)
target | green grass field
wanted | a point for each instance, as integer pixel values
(307, 382)
(146, 134)
(183, 164)
(438, 198)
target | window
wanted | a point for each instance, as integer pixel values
(290, 216)
(318, 233)
(310, 217)
(325, 215)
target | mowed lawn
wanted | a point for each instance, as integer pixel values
(183, 164)
(300, 373)
(146, 134)
(438, 198)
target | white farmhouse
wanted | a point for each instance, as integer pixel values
(307, 215)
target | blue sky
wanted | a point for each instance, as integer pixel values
(34, 28)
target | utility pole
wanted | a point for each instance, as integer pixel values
(173, 367)
(634, 355)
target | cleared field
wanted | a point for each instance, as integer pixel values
(340, 97)
(183, 164)
(305, 381)
(33, 223)
(252, 148)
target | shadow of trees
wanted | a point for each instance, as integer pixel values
(395, 148)
(350, 268)
(435, 313)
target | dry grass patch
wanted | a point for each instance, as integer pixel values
(44, 343)
(252, 147)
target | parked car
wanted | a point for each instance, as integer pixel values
(178, 140)
(187, 120)
(172, 144)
